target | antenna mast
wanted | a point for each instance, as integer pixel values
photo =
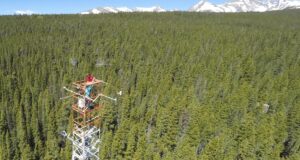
(85, 135)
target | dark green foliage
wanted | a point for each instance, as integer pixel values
(195, 84)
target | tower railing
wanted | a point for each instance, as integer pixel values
(85, 135)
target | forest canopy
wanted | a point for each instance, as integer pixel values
(195, 85)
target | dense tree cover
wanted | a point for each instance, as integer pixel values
(195, 85)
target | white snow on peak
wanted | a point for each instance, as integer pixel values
(245, 6)
(205, 6)
(149, 9)
(95, 11)
(100, 10)
(85, 13)
(124, 9)
(110, 9)
(25, 12)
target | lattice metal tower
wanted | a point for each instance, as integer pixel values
(85, 136)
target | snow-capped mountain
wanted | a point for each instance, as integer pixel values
(246, 6)
(123, 9)
(206, 6)
(107, 10)
(150, 9)
(26, 12)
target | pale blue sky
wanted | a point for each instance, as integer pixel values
(76, 6)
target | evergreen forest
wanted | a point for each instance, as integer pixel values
(196, 86)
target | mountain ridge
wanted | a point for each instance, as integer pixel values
(245, 6)
(107, 9)
(206, 6)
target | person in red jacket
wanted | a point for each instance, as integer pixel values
(89, 78)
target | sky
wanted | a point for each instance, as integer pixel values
(76, 6)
